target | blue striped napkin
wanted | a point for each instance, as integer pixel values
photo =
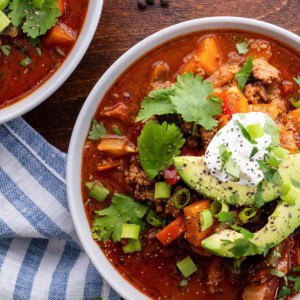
(40, 256)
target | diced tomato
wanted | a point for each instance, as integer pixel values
(171, 175)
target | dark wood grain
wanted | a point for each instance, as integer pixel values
(122, 25)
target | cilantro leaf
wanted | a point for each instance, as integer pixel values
(243, 74)
(271, 129)
(158, 144)
(271, 175)
(97, 131)
(285, 291)
(226, 217)
(253, 152)
(157, 103)
(245, 132)
(190, 100)
(295, 183)
(35, 22)
(232, 169)
(246, 234)
(297, 80)
(243, 246)
(259, 200)
(224, 155)
(5, 49)
(297, 285)
(242, 47)
(122, 210)
(277, 273)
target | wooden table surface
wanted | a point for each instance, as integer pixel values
(122, 25)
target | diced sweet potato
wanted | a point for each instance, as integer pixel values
(287, 140)
(269, 109)
(237, 100)
(60, 34)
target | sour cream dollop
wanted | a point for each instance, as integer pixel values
(233, 139)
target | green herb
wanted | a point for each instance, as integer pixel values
(243, 246)
(232, 169)
(272, 130)
(225, 155)
(158, 144)
(243, 75)
(158, 102)
(38, 3)
(242, 47)
(34, 42)
(190, 100)
(97, 191)
(215, 99)
(183, 282)
(295, 183)
(245, 133)
(253, 152)
(271, 175)
(162, 190)
(226, 217)
(187, 267)
(97, 131)
(132, 246)
(259, 200)
(34, 22)
(277, 273)
(181, 198)
(297, 80)
(130, 231)
(206, 219)
(285, 291)
(39, 51)
(246, 234)
(295, 100)
(116, 131)
(297, 285)
(25, 62)
(153, 219)
(5, 49)
(110, 220)
(296, 269)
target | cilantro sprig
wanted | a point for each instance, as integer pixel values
(34, 22)
(109, 221)
(297, 80)
(188, 97)
(244, 73)
(97, 131)
(158, 144)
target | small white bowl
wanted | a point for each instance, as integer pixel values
(117, 282)
(61, 75)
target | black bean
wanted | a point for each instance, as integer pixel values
(150, 2)
(141, 4)
(164, 3)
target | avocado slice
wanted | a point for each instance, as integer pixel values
(283, 222)
(195, 174)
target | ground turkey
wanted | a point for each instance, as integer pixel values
(265, 72)
(256, 93)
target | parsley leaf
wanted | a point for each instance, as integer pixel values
(259, 200)
(242, 47)
(190, 100)
(97, 131)
(243, 74)
(245, 132)
(297, 80)
(158, 144)
(246, 234)
(158, 102)
(34, 21)
(122, 210)
(225, 217)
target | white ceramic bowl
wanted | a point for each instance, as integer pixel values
(60, 76)
(120, 285)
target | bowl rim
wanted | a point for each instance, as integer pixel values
(54, 82)
(101, 263)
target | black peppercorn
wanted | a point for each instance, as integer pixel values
(150, 2)
(141, 4)
(164, 3)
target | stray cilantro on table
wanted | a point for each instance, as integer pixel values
(97, 131)
(243, 74)
(242, 47)
(158, 144)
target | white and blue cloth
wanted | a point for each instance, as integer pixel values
(40, 255)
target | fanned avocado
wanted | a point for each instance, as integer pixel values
(194, 173)
(284, 220)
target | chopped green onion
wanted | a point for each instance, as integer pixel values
(130, 231)
(289, 193)
(25, 62)
(38, 4)
(152, 219)
(217, 207)
(187, 267)
(60, 52)
(132, 246)
(206, 219)
(247, 213)
(4, 21)
(3, 4)
(39, 51)
(116, 131)
(181, 198)
(255, 131)
(162, 190)
(295, 100)
(277, 154)
(97, 191)
(5, 50)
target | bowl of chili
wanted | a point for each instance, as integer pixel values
(139, 276)
(41, 43)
